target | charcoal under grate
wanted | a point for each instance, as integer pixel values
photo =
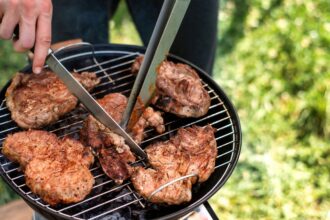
(112, 64)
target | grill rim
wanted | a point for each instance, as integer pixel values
(120, 48)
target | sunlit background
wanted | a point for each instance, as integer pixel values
(273, 60)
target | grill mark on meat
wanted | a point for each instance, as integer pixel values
(36, 100)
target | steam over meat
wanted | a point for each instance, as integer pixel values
(114, 154)
(179, 90)
(36, 100)
(55, 169)
(192, 151)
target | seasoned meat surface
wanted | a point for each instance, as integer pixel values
(146, 181)
(114, 154)
(192, 150)
(36, 100)
(55, 169)
(178, 90)
(24, 146)
(75, 151)
(57, 180)
(115, 164)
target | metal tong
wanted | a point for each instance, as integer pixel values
(167, 26)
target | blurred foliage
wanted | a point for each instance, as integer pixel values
(272, 61)
(122, 29)
(10, 62)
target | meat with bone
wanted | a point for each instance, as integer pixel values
(149, 118)
(192, 150)
(179, 90)
(114, 154)
(55, 169)
(36, 100)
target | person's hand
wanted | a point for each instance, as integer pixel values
(34, 20)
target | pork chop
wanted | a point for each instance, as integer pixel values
(36, 100)
(179, 89)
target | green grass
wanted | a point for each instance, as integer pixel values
(273, 62)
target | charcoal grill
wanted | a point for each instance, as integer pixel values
(112, 65)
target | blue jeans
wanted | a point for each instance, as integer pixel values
(86, 19)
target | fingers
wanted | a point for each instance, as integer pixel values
(26, 35)
(43, 39)
(8, 23)
(27, 26)
(34, 20)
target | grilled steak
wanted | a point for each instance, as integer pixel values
(24, 146)
(192, 150)
(36, 100)
(179, 90)
(57, 180)
(114, 154)
(56, 170)
(146, 181)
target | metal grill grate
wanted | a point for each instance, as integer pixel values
(107, 198)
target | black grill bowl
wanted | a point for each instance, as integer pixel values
(106, 199)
